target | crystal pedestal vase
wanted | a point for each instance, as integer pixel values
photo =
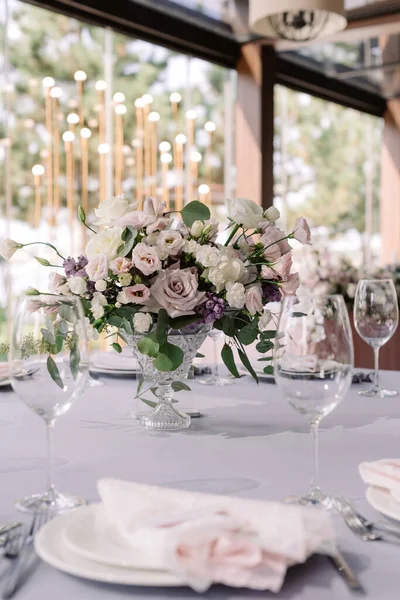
(165, 416)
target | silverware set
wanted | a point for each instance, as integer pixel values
(362, 527)
(19, 551)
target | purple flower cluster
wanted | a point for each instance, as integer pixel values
(75, 268)
(271, 293)
(212, 309)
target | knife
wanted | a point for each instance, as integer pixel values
(346, 572)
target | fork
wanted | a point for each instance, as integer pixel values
(20, 553)
(367, 531)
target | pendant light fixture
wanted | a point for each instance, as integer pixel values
(297, 20)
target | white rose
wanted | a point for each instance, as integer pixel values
(122, 298)
(235, 295)
(190, 246)
(228, 269)
(170, 242)
(142, 322)
(125, 279)
(111, 210)
(77, 285)
(105, 242)
(100, 285)
(272, 214)
(8, 248)
(197, 229)
(208, 256)
(245, 212)
(98, 302)
(264, 320)
(97, 267)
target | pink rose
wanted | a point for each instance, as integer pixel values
(274, 244)
(253, 300)
(301, 231)
(97, 267)
(138, 294)
(176, 290)
(289, 287)
(55, 281)
(120, 265)
(146, 259)
(283, 265)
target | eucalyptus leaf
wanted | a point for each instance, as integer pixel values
(117, 347)
(140, 385)
(48, 336)
(199, 355)
(74, 358)
(148, 346)
(181, 322)
(299, 314)
(125, 248)
(169, 358)
(229, 360)
(149, 402)
(268, 335)
(179, 386)
(269, 370)
(54, 372)
(162, 326)
(58, 345)
(129, 233)
(195, 211)
(246, 363)
(248, 334)
(265, 359)
(115, 321)
(228, 326)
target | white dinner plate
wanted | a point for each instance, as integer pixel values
(51, 547)
(382, 500)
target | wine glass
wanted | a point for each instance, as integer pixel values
(376, 316)
(215, 377)
(49, 342)
(313, 365)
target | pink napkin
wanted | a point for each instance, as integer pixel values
(208, 539)
(383, 473)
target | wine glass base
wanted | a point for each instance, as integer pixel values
(92, 382)
(378, 392)
(51, 500)
(317, 499)
(216, 380)
(166, 418)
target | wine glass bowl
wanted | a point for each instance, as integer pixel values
(376, 318)
(313, 364)
(49, 344)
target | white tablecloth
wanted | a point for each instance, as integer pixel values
(249, 442)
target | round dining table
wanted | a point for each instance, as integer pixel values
(247, 442)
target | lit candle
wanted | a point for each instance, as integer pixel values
(204, 193)
(119, 98)
(48, 83)
(210, 127)
(154, 117)
(55, 94)
(101, 87)
(180, 141)
(195, 159)
(120, 111)
(37, 172)
(80, 77)
(166, 159)
(164, 147)
(147, 99)
(72, 120)
(175, 99)
(85, 135)
(103, 150)
(68, 139)
(139, 105)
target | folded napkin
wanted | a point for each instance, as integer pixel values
(207, 539)
(383, 473)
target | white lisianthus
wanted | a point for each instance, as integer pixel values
(235, 294)
(191, 246)
(264, 320)
(100, 285)
(208, 256)
(77, 285)
(170, 242)
(97, 267)
(301, 231)
(142, 322)
(125, 279)
(8, 248)
(64, 290)
(245, 212)
(228, 269)
(55, 281)
(98, 303)
(112, 209)
(146, 259)
(105, 242)
(197, 229)
(122, 298)
(253, 300)
(272, 214)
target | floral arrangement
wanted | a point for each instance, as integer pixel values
(150, 271)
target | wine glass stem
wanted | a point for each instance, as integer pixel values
(376, 368)
(49, 436)
(216, 371)
(314, 433)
